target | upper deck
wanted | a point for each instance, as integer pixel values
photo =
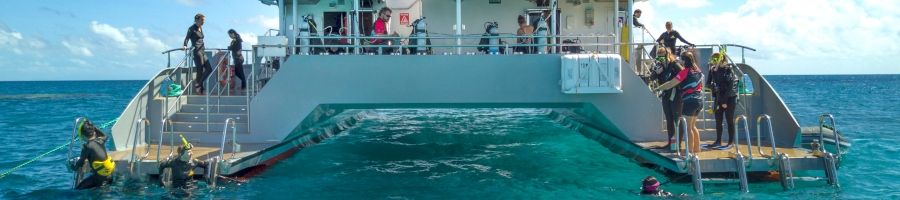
(603, 20)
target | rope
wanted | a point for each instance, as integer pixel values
(17, 167)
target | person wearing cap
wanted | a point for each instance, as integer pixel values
(94, 152)
(182, 166)
(650, 186)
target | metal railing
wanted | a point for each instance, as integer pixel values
(737, 138)
(741, 163)
(69, 160)
(209, 89)
(837, 137)
(167, 126)
(507, 47)
(218, 89)
(759, 145)
(235, 147)
(682, 129)
(142, 125)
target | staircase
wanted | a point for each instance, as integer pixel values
(191, 120)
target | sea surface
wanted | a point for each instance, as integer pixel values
(452, 153)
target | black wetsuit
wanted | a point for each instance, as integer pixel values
(238, 57)
(201, 63)
(671, 98)
(182, 171)
(659, 193)
(636, 23)
(723, 84)
(93, 150)
(668, 39)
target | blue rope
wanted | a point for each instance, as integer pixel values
(17, 167)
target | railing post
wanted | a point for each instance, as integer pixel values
(837, 139)
(682, 130)
(768, 121)
(737, 140)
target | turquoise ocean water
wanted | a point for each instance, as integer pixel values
(453, 153)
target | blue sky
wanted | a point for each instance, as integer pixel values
(113, 40)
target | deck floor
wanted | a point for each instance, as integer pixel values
(725, 154)
(198, 152)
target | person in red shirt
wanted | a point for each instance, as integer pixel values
(380, 29)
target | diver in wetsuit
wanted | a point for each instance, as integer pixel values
(668, 38)
(93, 151)
(671, 101)
(182, 167)
(201, 63)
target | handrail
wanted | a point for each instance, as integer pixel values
(142, 129)
(737, 140)
(215, 86)
(471, 36)
(74, 137)
(159, 146)
(837, 139)
(768, 121)
(234, 144)
(175, 49)
(682, 128)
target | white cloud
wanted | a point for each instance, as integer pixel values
(77, 49)
(810, 35)
(9, 37)
(129, 39)
(18, 43)
(250, 39)
(684, 3)
(264, 21)
(110, 32)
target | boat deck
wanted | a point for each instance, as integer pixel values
(200, 151)
(723, 160)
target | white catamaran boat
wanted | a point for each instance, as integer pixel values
(318, 74)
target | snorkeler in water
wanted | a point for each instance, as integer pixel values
(650, 186)
(94, 152)
(182, 167)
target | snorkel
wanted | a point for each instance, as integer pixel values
(185, 149)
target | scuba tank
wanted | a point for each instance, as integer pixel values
(541, 32)
(420, 31)
(304, 34)
(492, 30)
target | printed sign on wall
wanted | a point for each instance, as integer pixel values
(404, 19)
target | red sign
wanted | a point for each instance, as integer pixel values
(404, 19)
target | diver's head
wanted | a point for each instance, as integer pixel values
(199, 19)
(637, 13)
(231, 33)
(716, 59)
(650, 185)
(669, 26)
(86, 130)
(184, 151)
(184, 154)
(690, 60)
(385, 13)
(665, 54)
(522, 21)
